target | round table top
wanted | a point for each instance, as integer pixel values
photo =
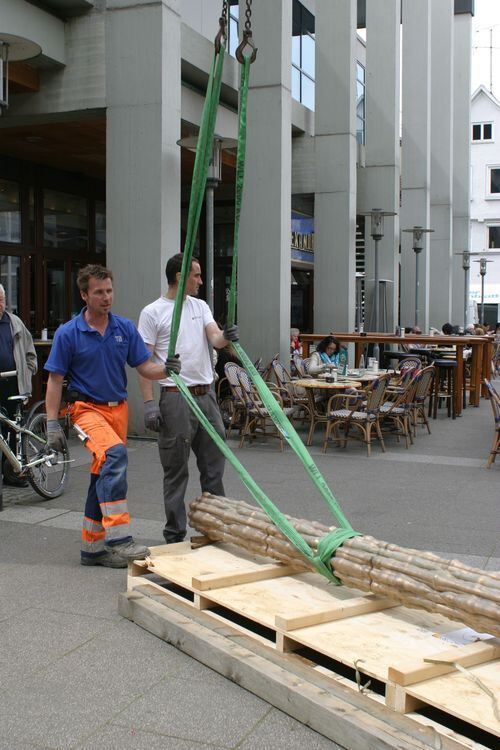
(317, 383)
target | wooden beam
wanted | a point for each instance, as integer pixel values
(358, 605)
(207, 581)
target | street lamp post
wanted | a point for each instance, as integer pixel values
(482, 270)
(214, 177)
(466, 267)
(377, 232)
(418, 244)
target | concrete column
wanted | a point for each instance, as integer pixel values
(379, 182)
(264, 250)
(335, 166)
(441, 244)
(143, 85)
(461, 158)
(415, 155)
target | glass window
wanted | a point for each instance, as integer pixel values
(494, 237)
(360, 103)
(100, 227)
(494, 180)
(308, 92)
(303, 55)
(10, 212)
(10, 278)
(482, 131)
(56, 292)
(76, 299)
(64, 220)
(232, 27)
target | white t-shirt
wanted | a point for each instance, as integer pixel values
(192, 343)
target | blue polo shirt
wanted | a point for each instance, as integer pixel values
(95, 364)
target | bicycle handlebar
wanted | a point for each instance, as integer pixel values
(8, 374)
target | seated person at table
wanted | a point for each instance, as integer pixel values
(325, 357)
(447, 329)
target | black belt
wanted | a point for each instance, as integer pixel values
(72, 396)
(196, 390)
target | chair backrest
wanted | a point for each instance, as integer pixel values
(494, 401)
(280, 373)
(250, 395)
(375, 394)
(301, 365)
(424, 382)
(268, 369)
(232, 370)
(409, 363)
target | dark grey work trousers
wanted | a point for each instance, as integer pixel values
(180, 432)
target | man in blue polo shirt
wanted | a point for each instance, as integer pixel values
(91, 351)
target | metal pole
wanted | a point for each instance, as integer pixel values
(376, 350)
(416, 289)
(466, 300)
(209, 198)
(482, 298)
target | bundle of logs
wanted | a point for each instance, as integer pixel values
(419, 580)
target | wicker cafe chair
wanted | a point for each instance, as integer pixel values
(425, 381)
(235, 407)
(301, 365)
(258, 421)
(398, 410)
(407, 370)
(351, 414)
(292, 395)
(495, 405)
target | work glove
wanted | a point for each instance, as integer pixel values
(55, 436)
(231, 333)
(152, 416)
(173, 364)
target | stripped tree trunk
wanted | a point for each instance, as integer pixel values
(419, 580)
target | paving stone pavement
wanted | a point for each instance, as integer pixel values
(76, 675)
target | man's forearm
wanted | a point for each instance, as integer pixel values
(53, 399)
(146, 387)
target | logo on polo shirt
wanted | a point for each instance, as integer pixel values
(119, 339)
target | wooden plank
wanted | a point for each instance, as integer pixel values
(399, 700)
(208, 581)
(466, 656)
(339, 713)
(359, 605)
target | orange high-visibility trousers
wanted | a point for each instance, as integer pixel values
(106, 518)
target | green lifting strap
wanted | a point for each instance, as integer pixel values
(203, 153)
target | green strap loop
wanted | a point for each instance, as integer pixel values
(329, 544)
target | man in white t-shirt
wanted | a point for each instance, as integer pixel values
(172, 418)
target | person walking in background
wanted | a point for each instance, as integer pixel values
(92, 350)
(17, 352)
(178, 427)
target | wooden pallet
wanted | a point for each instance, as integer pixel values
(348, 637)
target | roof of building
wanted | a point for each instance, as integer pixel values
(483, 90)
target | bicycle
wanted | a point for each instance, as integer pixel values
(45, 469)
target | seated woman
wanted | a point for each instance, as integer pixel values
(325, 357)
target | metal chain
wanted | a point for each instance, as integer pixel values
(224, 13)
(248, 16)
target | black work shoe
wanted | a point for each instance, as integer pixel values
(175, 539)
(108, 560)
(129, 550)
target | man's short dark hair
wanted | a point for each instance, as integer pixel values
(447, 329)
(92, 271)
(174, 266)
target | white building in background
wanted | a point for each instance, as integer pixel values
(90, 169)
(485, 198)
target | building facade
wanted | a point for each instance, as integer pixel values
(352, 106)
(485, 199)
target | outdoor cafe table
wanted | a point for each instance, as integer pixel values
(313, 384)
(482, 352)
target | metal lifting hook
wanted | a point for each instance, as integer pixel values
(221, 34)
(247, 41)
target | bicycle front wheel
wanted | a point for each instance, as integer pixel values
(48, 478)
